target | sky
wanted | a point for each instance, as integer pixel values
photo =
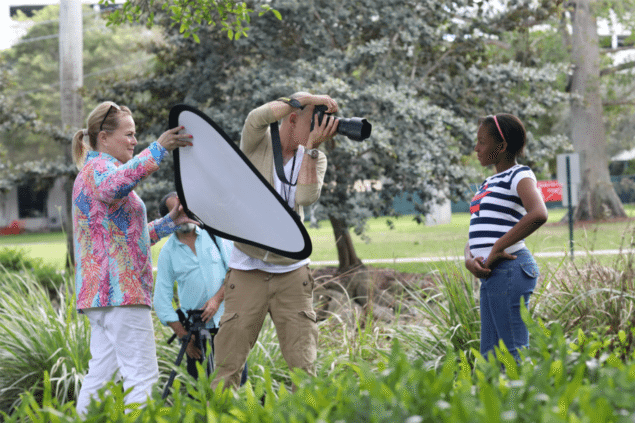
(11, 31)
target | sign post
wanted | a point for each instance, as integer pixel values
(569, 177)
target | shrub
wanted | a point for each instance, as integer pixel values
(553, 383)
(593, 297)
(37, 336)
(449, 315)
(18, 260)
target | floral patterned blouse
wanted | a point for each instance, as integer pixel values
(113, 263)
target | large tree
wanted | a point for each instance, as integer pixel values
(33, 64)
(419, 71)
(597, 198)
(599, 117)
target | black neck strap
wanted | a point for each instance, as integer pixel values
(277, 155)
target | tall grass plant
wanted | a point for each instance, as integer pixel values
(38, 335)
(592, 295)
(449, 314)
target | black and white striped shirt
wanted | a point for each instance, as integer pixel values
(495, 209)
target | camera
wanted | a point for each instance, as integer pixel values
(193, 322)
(356, 128)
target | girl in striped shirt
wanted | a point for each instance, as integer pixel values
(506, 208)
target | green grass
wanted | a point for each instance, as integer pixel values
(407, 239)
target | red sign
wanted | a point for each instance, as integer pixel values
(550, 190)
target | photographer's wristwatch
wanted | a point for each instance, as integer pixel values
(312, 152)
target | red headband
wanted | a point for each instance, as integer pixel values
(499, 128)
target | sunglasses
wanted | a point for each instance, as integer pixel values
(112, 106)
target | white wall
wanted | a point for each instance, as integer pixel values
(54, 209)
(8, 207)
(55, 204)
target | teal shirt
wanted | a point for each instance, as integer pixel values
(199, 276)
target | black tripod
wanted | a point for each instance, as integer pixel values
(195, 326)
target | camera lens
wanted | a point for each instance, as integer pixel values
(357, 129)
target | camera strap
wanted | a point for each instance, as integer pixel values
(220, 252)
(277, 155)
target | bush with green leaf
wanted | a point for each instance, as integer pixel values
(449, 315)
(37, 335)
(553, 383)
(18, 260)
(591, 296)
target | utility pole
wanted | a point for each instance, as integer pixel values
(71, 80)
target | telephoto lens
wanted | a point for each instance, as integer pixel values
(356, 128)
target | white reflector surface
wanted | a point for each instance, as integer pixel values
(218, 185)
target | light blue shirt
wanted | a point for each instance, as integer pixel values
(199, 276)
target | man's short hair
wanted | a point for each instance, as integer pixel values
(163, 207)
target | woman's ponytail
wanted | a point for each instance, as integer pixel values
(79, 148)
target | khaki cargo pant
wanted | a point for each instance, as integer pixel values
(249, 296)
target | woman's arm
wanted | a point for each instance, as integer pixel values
(535, 217)
(114, 182)
(167, 224)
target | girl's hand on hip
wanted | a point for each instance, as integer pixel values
(476, 266)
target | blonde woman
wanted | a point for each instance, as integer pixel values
(113, 270)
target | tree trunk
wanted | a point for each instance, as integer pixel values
(597, 197)
(345, 249)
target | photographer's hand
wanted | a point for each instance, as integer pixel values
(318, 100)
(323, 132)
(192, 351)
(180, 332)
(212, 305)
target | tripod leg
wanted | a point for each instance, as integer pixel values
(179, 358)
(211, 355)
(207, 347)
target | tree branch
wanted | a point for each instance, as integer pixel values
(619, 103)
(438, 62)
(614, 69)
(499, 43)
(615, 50)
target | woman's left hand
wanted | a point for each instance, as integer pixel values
(178, 214)
(173, 138)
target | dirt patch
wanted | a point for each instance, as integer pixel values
(367, 289)
(384, 278)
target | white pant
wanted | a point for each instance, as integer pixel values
(122, 343)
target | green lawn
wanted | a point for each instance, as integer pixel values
(407, 239)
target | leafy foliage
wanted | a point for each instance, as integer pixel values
(554, 382)
(418, 71)
(16, 260)
(38, 336)
(428, 371)
(190, 16)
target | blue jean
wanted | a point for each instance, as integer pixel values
(501, 293)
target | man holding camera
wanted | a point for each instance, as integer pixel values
(198, 263)
(260, 282)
